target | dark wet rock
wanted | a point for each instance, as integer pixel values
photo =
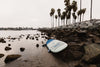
(22, 49)
(11, 58)
(98, 65)
(28, 36)
(9, 44)
(93, 60)
(1, 55)
(92, 55)
(42, 34)
(37, 45)
(92, 65)
(25, 60)
(46, 37)
(7, 48)
(97, 41)
(37, 39)
(44, 45)
(73, 52)
(2, 40)
(78, 65)
(32, 38)
(93, 41)
(13, 38)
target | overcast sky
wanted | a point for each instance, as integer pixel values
(35, 13)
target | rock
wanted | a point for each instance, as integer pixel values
(92, 55)
(32, 38)
(97, 41)
(28, 36)
(92, 65)
(7, 48)
(11, 58)
(2, 40)
(22, 49)
(73, 52)
(98, 65)
(1, 55)
(25, 60)
(9, 44)
(37, 45)
(37, 39)
(44, 45)
(78, 65)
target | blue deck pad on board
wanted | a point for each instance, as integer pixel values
(49, 41)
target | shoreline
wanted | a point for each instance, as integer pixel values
(83, 43)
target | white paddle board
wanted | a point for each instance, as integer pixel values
(56, 46)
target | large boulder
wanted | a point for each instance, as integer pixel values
(2, 40)
(7, 48)
(92, 54)
(1, 55)
(11, 58)
(72, 52)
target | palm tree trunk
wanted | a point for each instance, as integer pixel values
(83, 17)
(80, 8)
(91, 10)
(66, 20)
(53, 21)
(58, 21)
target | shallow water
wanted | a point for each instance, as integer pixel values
(32, 56)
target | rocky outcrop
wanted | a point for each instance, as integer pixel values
(73, 52)
(11, 58)
(92, 54)
(83, 41)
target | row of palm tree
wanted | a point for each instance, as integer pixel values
(66, 15)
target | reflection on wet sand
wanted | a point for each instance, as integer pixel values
(27, 51)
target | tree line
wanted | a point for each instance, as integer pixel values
(64, 18)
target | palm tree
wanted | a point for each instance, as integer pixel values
(59, 15)
(79, 13)
(52, 15)
(69, 14)
(61, 20)
(74, 16)
(80, 8)
(74, 7)
(67, 3)
(64, 15)
(83, 12)
(56, 19)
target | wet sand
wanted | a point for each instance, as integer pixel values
(32, 56)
